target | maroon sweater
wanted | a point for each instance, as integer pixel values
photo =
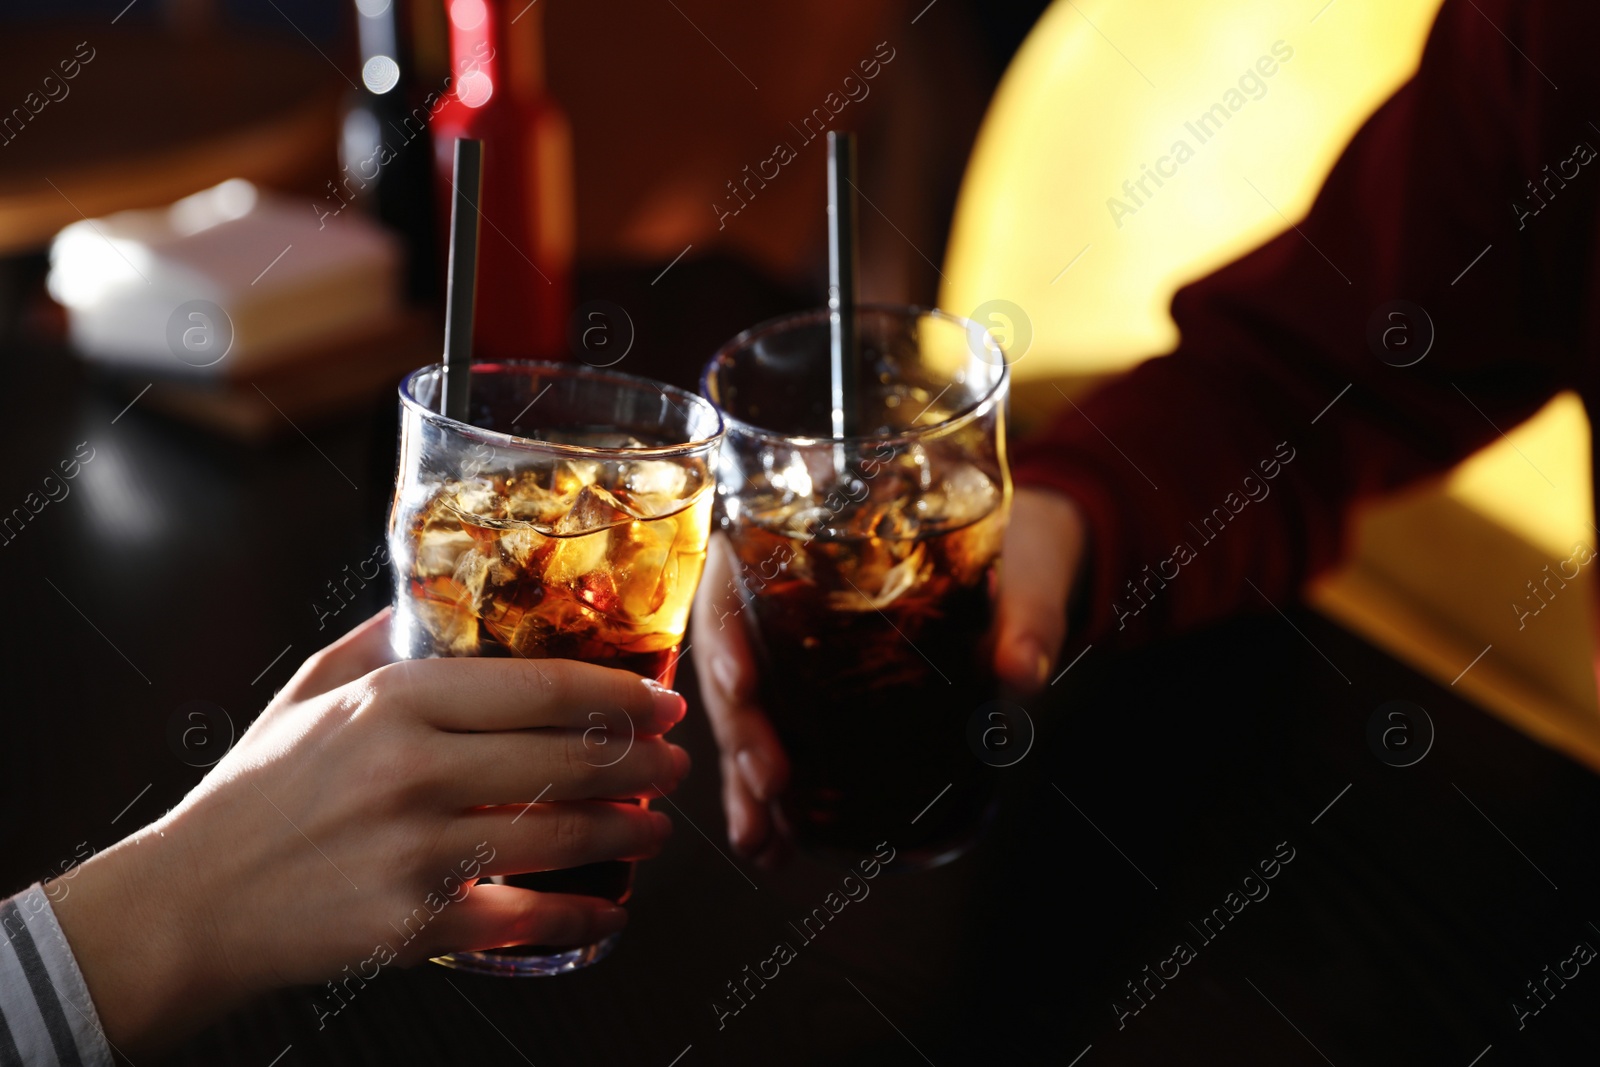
(1470, 194)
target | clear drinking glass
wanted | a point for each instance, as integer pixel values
(866, 568)
(566, 518)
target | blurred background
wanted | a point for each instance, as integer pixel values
(664, 107)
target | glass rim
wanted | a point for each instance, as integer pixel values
(956, 421)
(467, 430)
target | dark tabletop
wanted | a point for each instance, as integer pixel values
(1408, 906)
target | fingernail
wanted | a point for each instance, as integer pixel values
(609, 920)
(755, 774)
(1041, 669)
(725, 672)
(680, 762)
(661, 825)
(739, 830)
(669, 706)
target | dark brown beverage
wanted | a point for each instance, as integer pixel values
(867, 507)
(871, 624)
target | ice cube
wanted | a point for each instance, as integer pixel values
(440, 539)
(572, 475)
(800, 519)
(480, 497)
(530, 629)
(900, 578)
(884, 571)
(574, 557)
(970, 551)
(641, 558)
(598, 589)
(557, 625)
(439, 549)
(454, 630)
(481, 571)
(531, 501)
(654, 477)
(789, 475)
(594, 509)
(582, 539)
(764, 554)
(891, 520)
(523, 546)
(439, 609)
(963, 495)
(655, 488)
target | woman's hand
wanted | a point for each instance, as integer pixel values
(1039, 565)
(755, 768)
(350, 821)
(1044, 548)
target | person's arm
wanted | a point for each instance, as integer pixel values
(350, 828)
(1223, 475)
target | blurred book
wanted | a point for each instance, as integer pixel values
(243, 311)
(230, 282)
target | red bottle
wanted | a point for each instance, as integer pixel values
(525, 239)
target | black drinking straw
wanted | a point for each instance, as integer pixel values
(842, 262)
(460, 279)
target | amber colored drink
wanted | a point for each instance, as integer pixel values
(552, 563)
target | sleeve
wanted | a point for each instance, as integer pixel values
(47, 1018)
(1220, 477)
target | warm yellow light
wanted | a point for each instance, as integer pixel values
(1100, 93)
(1536, 483)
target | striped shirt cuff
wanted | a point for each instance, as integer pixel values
(46, 1016)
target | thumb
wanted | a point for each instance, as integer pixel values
(1043, 549)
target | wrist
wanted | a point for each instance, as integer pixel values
(142, 945)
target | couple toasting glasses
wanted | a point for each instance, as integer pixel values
(473, 769)
(399, 769)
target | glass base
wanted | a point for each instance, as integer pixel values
(509, 965)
